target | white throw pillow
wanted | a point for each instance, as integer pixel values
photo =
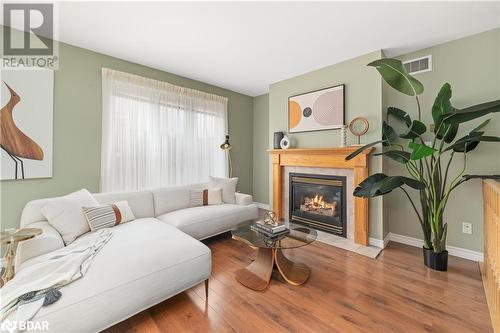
(108, 216)
(215, 196)
(228, 186)
(65, 214)
(205, 197)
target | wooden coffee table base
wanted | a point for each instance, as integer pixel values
(258, 274)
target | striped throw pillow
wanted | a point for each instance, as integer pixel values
(205, 197)
(108, 216)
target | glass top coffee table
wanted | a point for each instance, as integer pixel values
(258, 274)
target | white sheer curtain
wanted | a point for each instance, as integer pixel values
(158, 134)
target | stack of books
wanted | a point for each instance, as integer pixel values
(269, 230)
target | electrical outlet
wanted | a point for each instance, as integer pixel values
(467, 228)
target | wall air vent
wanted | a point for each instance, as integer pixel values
(419, 65)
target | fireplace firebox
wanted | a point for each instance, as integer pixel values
(319, 202)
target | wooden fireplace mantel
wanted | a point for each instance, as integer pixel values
(324, 158)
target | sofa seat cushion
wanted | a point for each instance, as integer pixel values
(145, 262)
(206, 221)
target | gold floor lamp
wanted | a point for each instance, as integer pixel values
(226, 146)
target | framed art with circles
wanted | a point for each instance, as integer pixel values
(317, 110)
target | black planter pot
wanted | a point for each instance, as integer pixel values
(436, 261)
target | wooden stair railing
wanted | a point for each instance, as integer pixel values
(490, 269)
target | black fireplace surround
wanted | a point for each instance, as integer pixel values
(318, 201)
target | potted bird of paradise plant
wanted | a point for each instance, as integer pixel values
(427, 162)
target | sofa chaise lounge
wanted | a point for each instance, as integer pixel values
(148, 260)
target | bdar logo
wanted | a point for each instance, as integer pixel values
(8, 326)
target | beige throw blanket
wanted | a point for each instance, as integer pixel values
(22, 297)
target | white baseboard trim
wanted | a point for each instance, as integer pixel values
(387, 238)
(376, 242)
(263, 206)
(452, 250)
(379, 242)
(406, 240)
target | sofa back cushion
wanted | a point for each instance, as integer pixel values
(32, 211)
(65, 214)
(141, 202)
(168, 199)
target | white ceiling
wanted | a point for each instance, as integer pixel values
(245, 46)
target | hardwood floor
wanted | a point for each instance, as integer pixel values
(346, 292)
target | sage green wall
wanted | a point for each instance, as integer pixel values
(472, 66)
(260, 145)
(385, 167)
(363, 97)
(77, 129)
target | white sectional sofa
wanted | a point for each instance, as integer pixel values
(146, 261)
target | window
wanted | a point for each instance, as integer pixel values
(156, 134)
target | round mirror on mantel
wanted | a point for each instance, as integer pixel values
(358, 127)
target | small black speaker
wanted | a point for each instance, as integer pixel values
(277, 139)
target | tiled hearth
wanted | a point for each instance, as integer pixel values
(348, 244)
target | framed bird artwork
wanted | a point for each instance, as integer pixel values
(26, 123)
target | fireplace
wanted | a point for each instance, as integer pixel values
(318, 201)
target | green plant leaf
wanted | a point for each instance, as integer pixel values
(481, 126)
(416, 129)
(444, 232)
(489, 138)
(397, 155)
(470, 146)
(413, 183)
(441, 106)
(470, 142)
(473, 112)
(467, 177)
(394, 73)
(450, 132)
(385, 186)
(380, 184)
(399, 114)
(420, 151)
(363, 189)
(361, 149)
(389, 135)
(462, 142)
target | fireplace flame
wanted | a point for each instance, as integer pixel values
(319, 205)
(318, 201)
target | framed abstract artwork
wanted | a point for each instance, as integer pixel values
(26, 120)
(316, 110)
